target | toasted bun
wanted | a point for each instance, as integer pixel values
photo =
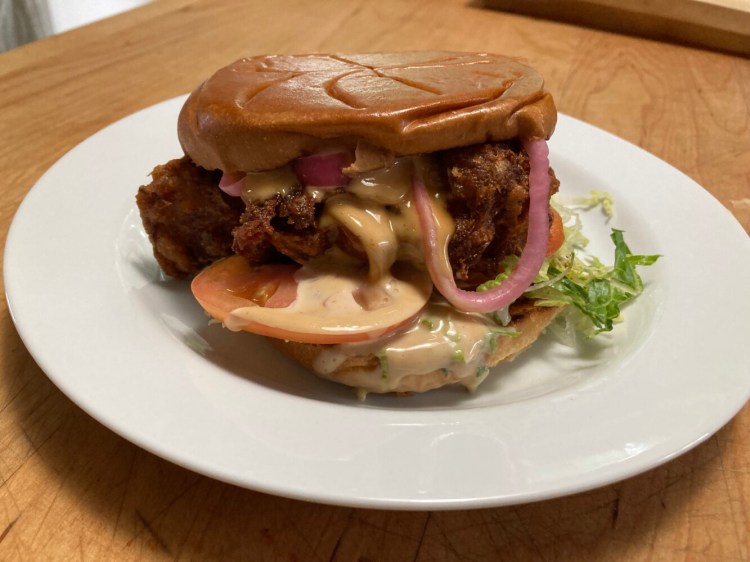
(363, 371)
(261, 112)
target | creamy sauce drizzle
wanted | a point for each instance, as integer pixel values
(372, 227)
(377, 211)
(343, 301)
(441, 339)
(259, 186)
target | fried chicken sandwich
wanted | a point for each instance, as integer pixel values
(380, 217)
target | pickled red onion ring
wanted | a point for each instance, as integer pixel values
(232, 184)
(532, 255)
(324, 169)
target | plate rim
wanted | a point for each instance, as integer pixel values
(12, 257)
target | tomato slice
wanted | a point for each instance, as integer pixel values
(231, 283)
(556, 233)
(300, 304)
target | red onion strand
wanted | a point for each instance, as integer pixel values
(533, 253)
(324, 169)
(232, 184)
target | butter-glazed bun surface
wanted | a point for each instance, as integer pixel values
(261, 112)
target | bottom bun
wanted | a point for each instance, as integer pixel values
(361, 366)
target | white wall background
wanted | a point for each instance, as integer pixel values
(67, 14)
(23, 21)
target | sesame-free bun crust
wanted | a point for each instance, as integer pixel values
(261, 112)
(363, 371)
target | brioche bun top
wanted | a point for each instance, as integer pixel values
(261, 112)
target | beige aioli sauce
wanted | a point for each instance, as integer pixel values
(443, 340)
(259, 186)
(376, 209)
(372, 228)
(342, 302)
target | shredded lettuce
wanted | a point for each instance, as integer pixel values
(384, 366)
(596, 198)
(596, 291)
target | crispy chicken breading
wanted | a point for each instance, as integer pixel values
(192, 223)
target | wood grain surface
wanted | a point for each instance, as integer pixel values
(70, 489)
(718, 24)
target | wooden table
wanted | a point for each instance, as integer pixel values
(72, 489)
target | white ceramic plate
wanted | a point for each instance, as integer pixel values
(134, 350)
